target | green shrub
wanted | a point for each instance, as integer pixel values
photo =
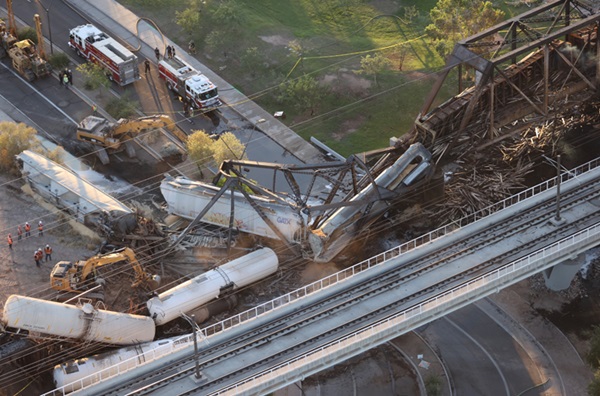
(59, 61)
(122, 107)
(27, 33)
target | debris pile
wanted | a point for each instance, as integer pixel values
(491, 172)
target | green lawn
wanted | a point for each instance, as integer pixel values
(357, 114)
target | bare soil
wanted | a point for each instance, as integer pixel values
(19, 274)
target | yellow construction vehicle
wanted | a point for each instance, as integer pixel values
(24, 54)
(81, 276)
(6, 37)
(26, 61)
(113, 137)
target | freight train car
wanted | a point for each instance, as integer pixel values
(208, 286)
(83, 322)
(187, 198)
(76, 374)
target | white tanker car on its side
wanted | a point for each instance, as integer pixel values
(83, 322)
(208, 286)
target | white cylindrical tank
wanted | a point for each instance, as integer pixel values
(81, 322)
(203, 288)
(86, 371)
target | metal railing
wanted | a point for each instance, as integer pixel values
(413, 316)
(394, 252)
(347, 273)
(124, 366)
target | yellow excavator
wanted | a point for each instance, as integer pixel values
(81, 276)
(114, 137)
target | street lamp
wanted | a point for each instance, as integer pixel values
(49, 25)
(191, 320)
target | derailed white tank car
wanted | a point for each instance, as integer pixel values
(187, 198)
(82, 322)
(206, 287)
(75, 374)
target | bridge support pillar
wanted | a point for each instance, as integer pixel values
(560, 276)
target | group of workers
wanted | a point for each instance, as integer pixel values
(39, 253)
(65, 77)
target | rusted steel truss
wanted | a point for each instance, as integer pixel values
(522, 66)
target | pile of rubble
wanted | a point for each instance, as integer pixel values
(492, 172)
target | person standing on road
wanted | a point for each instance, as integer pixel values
(70, 76)
(40, 229)
(168, 52)
(37, 256)
(19, 232)
(146, 66)
(48, 251)
(27, 230)
(192, 47)
(10, 241)
(157, 54)
(172, 51)
(60, 77)
(65, 80)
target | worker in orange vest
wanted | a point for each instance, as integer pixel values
(37, 257)
(40, 229)
(27, 230)
(19, 232)
(10, 241)
(48, 251)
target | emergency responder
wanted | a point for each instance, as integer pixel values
(192, 47)
(169, 52)
(37, 256)
(40, 229)
(27, 230)
(146, 66)
(157, 54)
(10, 241)
(48, 251)
(19, 232)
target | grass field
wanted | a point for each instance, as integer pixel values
(326, 40)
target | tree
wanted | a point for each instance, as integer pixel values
(411, 12)
(188, 19)
(203, 150)
(304, 92)
(594, 386)
(228, 147)
(199, 146)
(14, 138)
(374, 65)
(252, 60)
(57, 155)
(593, 355)
(454, 20)
(226, 13)
(94, 76)
(215, 40)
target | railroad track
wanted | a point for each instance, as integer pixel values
(395, 280)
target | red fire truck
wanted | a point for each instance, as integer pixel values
(190, 84)
(121, 65)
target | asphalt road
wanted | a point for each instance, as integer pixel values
(481, 356)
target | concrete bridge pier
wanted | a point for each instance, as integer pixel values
(560, 276)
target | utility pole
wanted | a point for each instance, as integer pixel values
(557, 218)
(49, 25)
